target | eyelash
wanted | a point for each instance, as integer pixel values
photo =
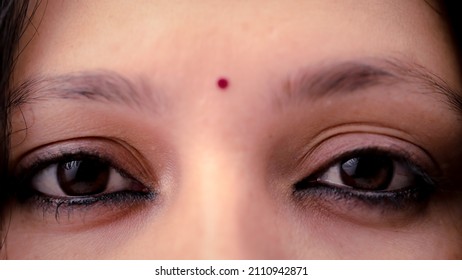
(26, 193)
(56, 205)
(303, 190)
(385, 200)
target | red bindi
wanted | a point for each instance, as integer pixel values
(222, 83)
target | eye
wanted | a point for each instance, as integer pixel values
(369, 172)
(374, 178)
(81, 179)
(89, 181)
(87, 176)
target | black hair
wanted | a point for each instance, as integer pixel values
(453, 14)
(12, 22)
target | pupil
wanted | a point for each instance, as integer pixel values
(83, 177)
(367, 172)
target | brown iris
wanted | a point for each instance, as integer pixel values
(367, 172)
(83, 177)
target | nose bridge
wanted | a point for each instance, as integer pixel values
(224, 198)
(217, 193)
(220, 206)
(220, 209)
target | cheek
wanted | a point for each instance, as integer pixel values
(339, 241)
(57, 239)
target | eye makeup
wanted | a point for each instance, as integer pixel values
(38, 184)
(364, 195)
(416, 189)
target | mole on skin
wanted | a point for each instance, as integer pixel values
(222, 83)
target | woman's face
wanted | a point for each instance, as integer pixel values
(337, 134)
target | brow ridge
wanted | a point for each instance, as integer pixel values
(333, 79)
(98, 85)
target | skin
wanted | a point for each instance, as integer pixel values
(223, 160)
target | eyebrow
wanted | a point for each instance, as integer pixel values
(315, 82)
(331, 80)
(105, 86)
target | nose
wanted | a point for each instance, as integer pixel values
(230, 210)
(221, 209)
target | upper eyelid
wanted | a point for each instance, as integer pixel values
(384, 138)
(334, 148)
(103, 149)
(402, 158)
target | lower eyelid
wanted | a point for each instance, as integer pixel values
(88, 211)
(366, 208)
(105, 199)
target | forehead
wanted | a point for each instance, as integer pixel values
(176, 38)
